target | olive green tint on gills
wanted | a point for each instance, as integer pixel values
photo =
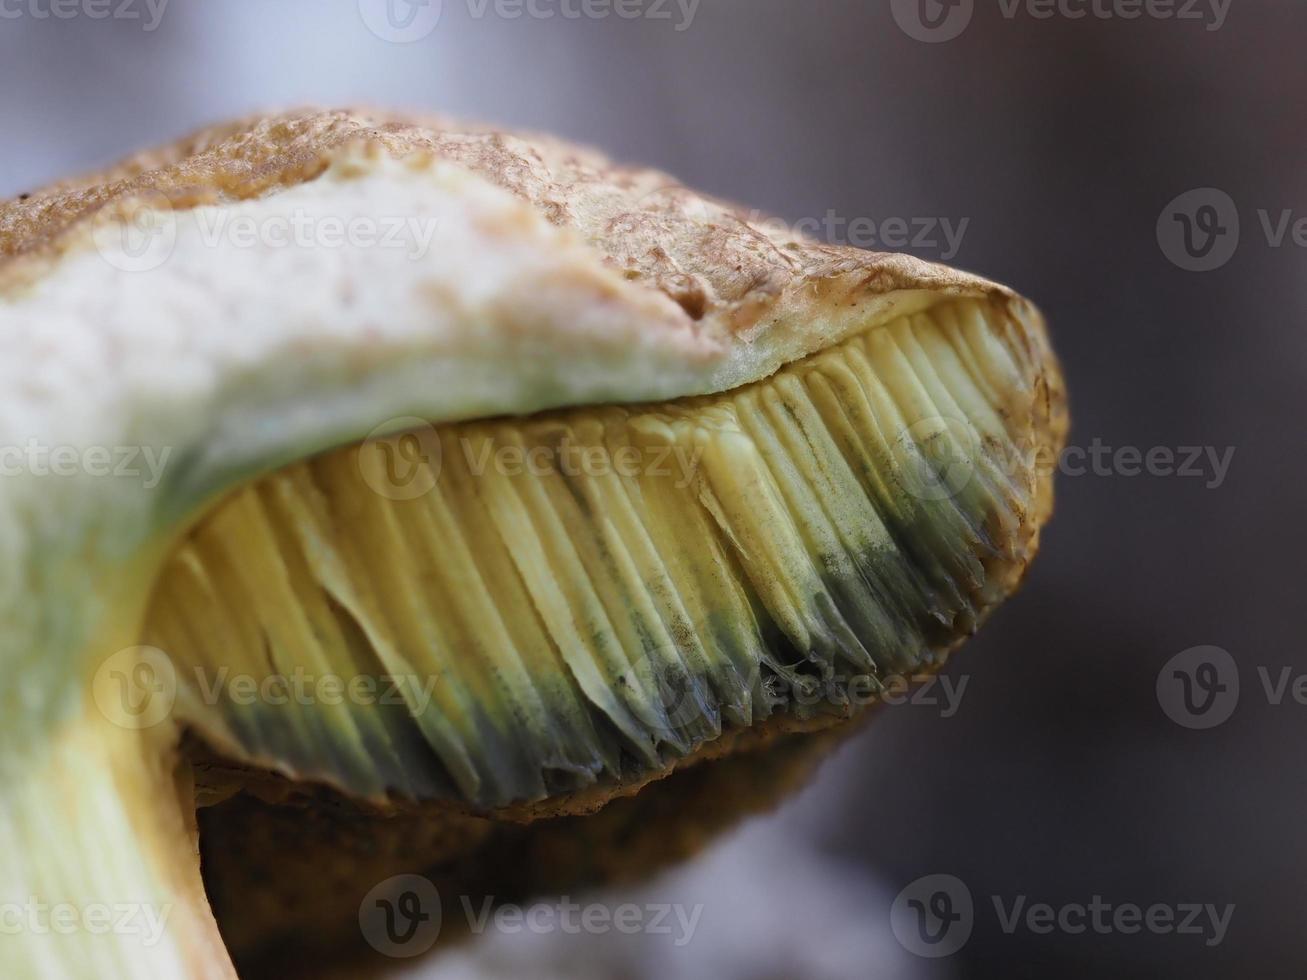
(502, 611)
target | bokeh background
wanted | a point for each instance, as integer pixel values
(1061, 141)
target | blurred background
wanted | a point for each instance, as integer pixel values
(1047, 145)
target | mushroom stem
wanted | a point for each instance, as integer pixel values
(99, 864)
